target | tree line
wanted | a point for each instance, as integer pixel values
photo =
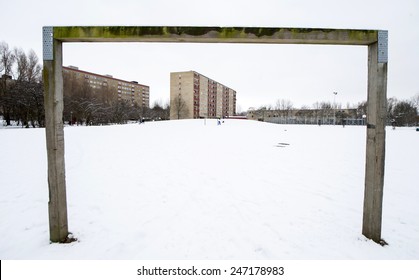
(22, 96)
(403, 112)
(21, 89)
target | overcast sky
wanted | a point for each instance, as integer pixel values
(261, 74)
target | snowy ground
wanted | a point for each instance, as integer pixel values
(185, 190)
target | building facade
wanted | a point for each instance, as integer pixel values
(193, 95)
(132, 92)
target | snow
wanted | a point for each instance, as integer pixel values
(191, 189)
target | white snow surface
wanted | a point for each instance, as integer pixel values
(191, 189)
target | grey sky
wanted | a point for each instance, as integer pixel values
(261, 74)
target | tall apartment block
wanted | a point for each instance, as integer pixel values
(192, 96)
(133, 92)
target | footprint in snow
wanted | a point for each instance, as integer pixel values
(282, 145)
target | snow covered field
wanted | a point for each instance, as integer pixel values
(189, 190)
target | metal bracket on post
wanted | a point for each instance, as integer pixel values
(382, 46)
(47, 39)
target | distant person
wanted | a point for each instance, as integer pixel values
(393, 123)
(218, 121)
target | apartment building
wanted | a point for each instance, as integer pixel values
(133, 92)
(193, 95)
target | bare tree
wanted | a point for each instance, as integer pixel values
(79, 102)
(405, 113)
(326, 111)
(6, 61)
(120, 112)
(323, 111)
(283, 105)
(178, 105)
(21, 64)
(106, 95)
(166, 108)
(159, 111)
(391, 103)
(27, 66)
(415, 101)
(7, 58)
(26, 106)
(283, 108)
(33, 72)
(305, 114)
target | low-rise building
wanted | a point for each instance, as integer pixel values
(308, 116)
